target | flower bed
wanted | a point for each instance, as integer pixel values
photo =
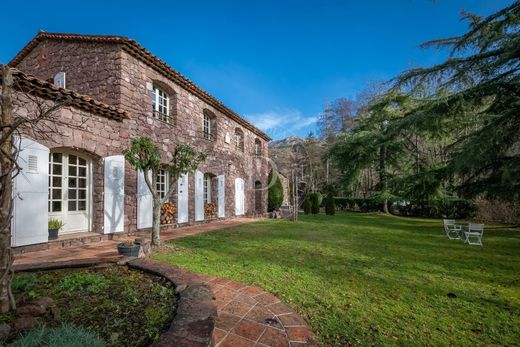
(123, 307)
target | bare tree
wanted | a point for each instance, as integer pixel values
(22, 109)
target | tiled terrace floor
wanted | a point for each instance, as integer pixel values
(247, 316)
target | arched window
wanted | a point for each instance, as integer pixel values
(239, 139)
(209, 125)
(258, 147)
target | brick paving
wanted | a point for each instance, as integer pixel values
(247, 315)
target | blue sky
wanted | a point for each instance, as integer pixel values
(274, 62)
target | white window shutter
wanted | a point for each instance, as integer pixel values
(239, 197)
(182, 197)
(144, 202)
(199, 196)
(114, 195)
(221, 196)
(30, 190)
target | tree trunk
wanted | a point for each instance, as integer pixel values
(6, 187)
(382, 176)
(156, 222)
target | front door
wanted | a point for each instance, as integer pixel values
(69, 190)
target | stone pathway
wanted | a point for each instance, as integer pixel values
(250, 316)
(106, 250)
(247, 315)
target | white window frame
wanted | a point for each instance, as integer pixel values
(162, 183)
(207, 188)
(161, 103)
(207, 127)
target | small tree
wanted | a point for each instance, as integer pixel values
(315, 202)
(307, 205)
(275, 192)
(144, 155)
(330, 205)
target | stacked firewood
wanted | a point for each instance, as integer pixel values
(210, 210)
(168, 211)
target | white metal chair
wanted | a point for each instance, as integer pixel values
(453, 230)
(474, 234)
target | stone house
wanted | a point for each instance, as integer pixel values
(119, 90)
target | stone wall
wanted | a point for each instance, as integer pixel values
(109, 74)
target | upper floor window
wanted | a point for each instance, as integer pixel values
(162, 183)
(258, 147)
(239, 139)
(161, 104)
(209, 125)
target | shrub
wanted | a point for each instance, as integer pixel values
(92, 283)
(65, 335)
(307, 205)
(330, 205)
(275, 191)
(55, 224)
(315, 202)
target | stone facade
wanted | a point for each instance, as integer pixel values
(113, 75)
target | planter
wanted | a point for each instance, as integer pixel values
(53, 234)
(128, 251)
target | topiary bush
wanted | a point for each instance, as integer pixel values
(275, 191)
(315, 199)
(64, 335)
(307, 205)
(330, 205)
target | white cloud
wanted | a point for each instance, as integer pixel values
(281, 122)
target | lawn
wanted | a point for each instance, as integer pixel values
(362, 279)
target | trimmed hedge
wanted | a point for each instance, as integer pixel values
(330, 205)
(307, 205)
(316, 200)
(274, 193)
(447, 208)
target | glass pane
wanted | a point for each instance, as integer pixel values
(56, 181)
(72, 194)
(72, 205)
(56, 169)
(72, 171)
(56, 193)
(72, 182)
(56, 157)
(82, 194)
(72, 159)
(82, 205)
(56, 206)
(82, 172)
(82, 183)
(82, 161)
(49, 207)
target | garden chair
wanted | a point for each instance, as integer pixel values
(474, 234)
(453, 230)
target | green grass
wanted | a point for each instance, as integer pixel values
(363, 279)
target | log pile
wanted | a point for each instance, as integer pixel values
(210, 210)
(168, 213)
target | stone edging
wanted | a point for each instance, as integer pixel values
(194, 322)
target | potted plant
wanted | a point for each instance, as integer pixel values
(129, 248)
(54, 226)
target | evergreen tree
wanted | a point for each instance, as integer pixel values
(275, 191)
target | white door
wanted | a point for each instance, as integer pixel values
(182, 197)
(239, 197)
(221, 196)
(30, 190)
(114, 194)
(199, 196)
(69, 190)
(144, 202)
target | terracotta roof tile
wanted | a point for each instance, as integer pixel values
(49, 90)
(136, 50)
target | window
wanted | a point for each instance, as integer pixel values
(209, 125)
(161, 183)
(207, 188)
(239, 139)
(161, 105)
(258, 147)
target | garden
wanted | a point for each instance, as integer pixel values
(109, 306)
(368, 278)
